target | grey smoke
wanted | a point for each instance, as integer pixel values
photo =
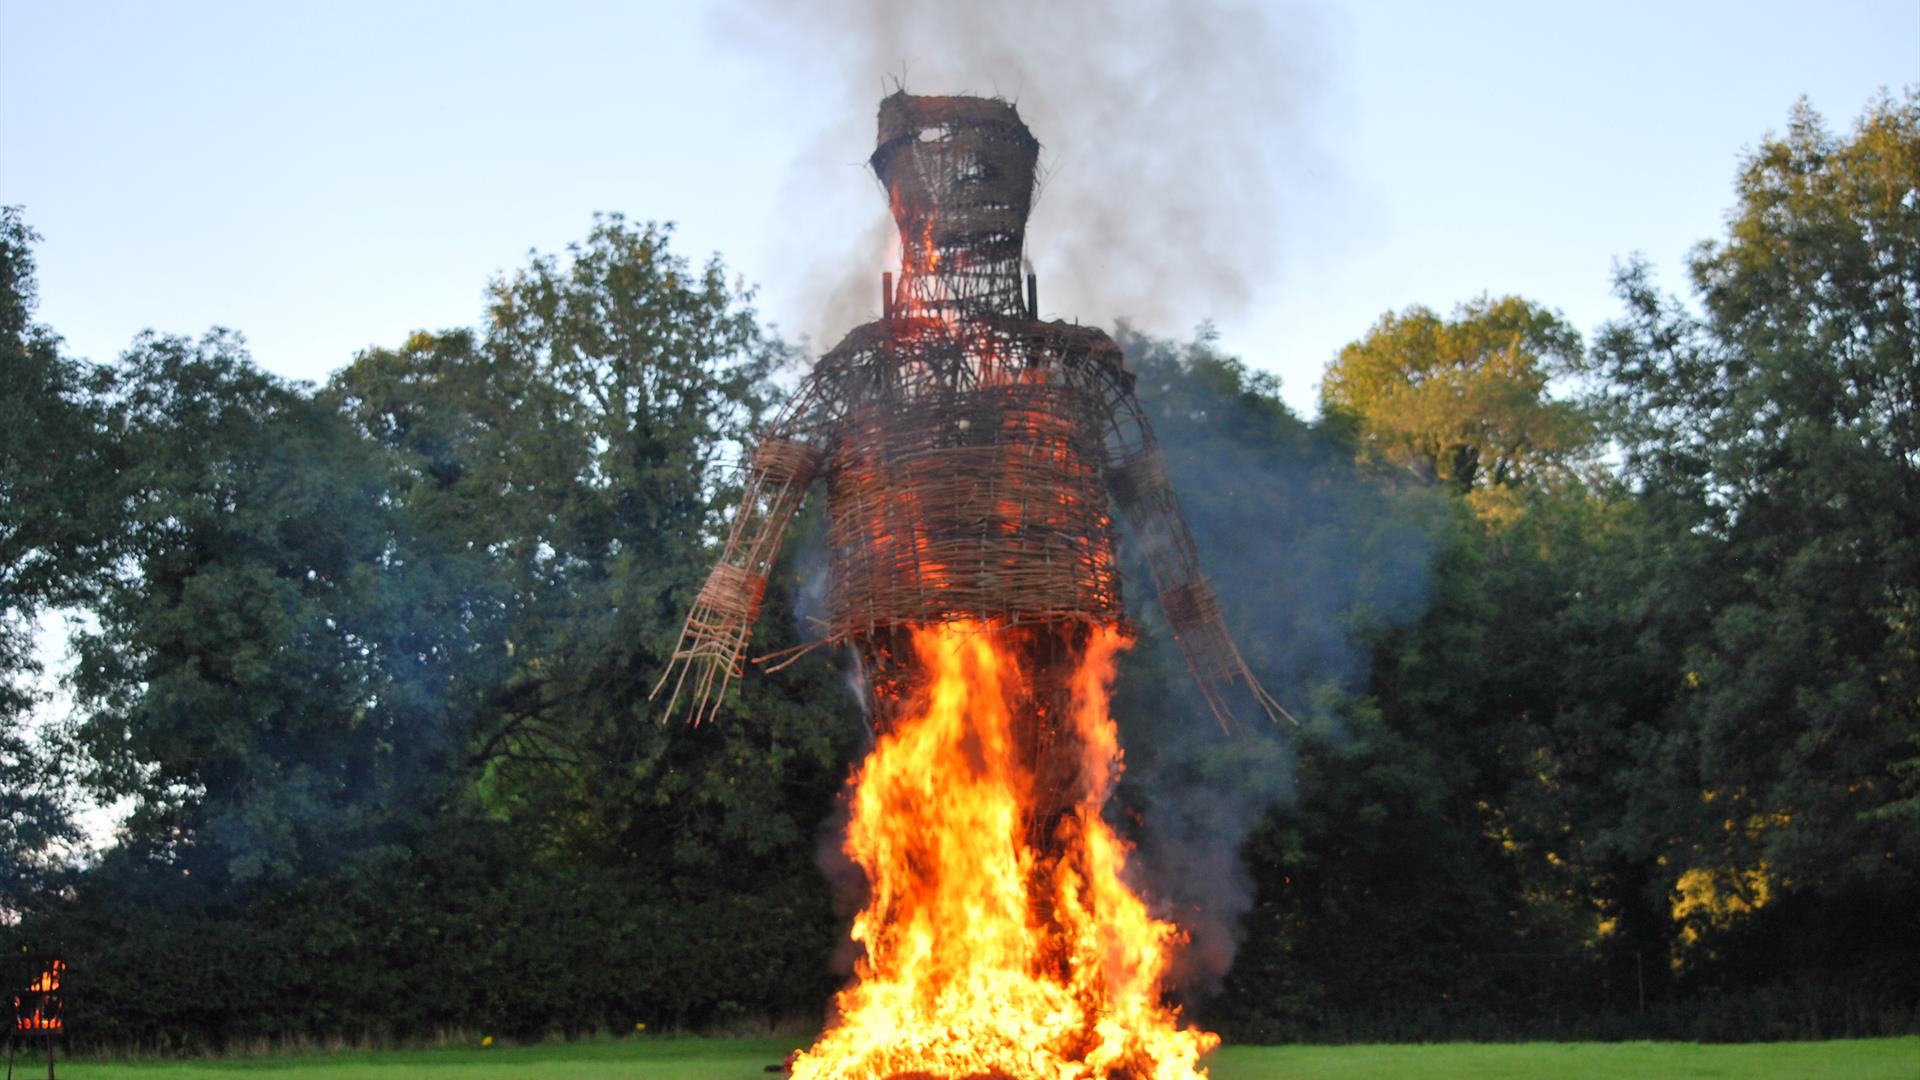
(1177, 142)
(1311, 559)
(1199, 799)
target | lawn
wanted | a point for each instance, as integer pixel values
(745, 1059)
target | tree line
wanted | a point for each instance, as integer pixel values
(1605, 653)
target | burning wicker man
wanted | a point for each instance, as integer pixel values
(969, 451)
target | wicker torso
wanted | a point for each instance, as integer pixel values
(966, 475)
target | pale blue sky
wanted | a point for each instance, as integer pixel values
(326, 177)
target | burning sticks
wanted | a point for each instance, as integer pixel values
(38, 1004)
(1000, 938)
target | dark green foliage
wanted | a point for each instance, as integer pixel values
(372, 664)
(53, 458)
(468, 930)
(36, 812)
(1774, 442)
(568, 453)
(263, 679)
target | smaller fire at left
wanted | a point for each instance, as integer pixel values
(36, 1009)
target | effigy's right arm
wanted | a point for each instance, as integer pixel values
(707, 659)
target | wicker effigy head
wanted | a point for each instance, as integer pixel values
(959, 174)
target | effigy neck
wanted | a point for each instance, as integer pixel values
(953, 285)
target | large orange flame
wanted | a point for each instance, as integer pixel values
(991, 952)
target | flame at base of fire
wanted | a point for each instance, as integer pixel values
(36, 1010)
(1000, 940)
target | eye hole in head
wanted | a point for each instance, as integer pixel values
(972, 168)
(933, 134)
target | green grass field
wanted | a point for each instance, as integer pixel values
(745, 1059)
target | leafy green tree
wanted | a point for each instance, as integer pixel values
(54, 455)
(267, 678)
(1774, 439)
(36, 810)
(1464, 401)
(571, 451)
(55, 452)
(372, 664)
